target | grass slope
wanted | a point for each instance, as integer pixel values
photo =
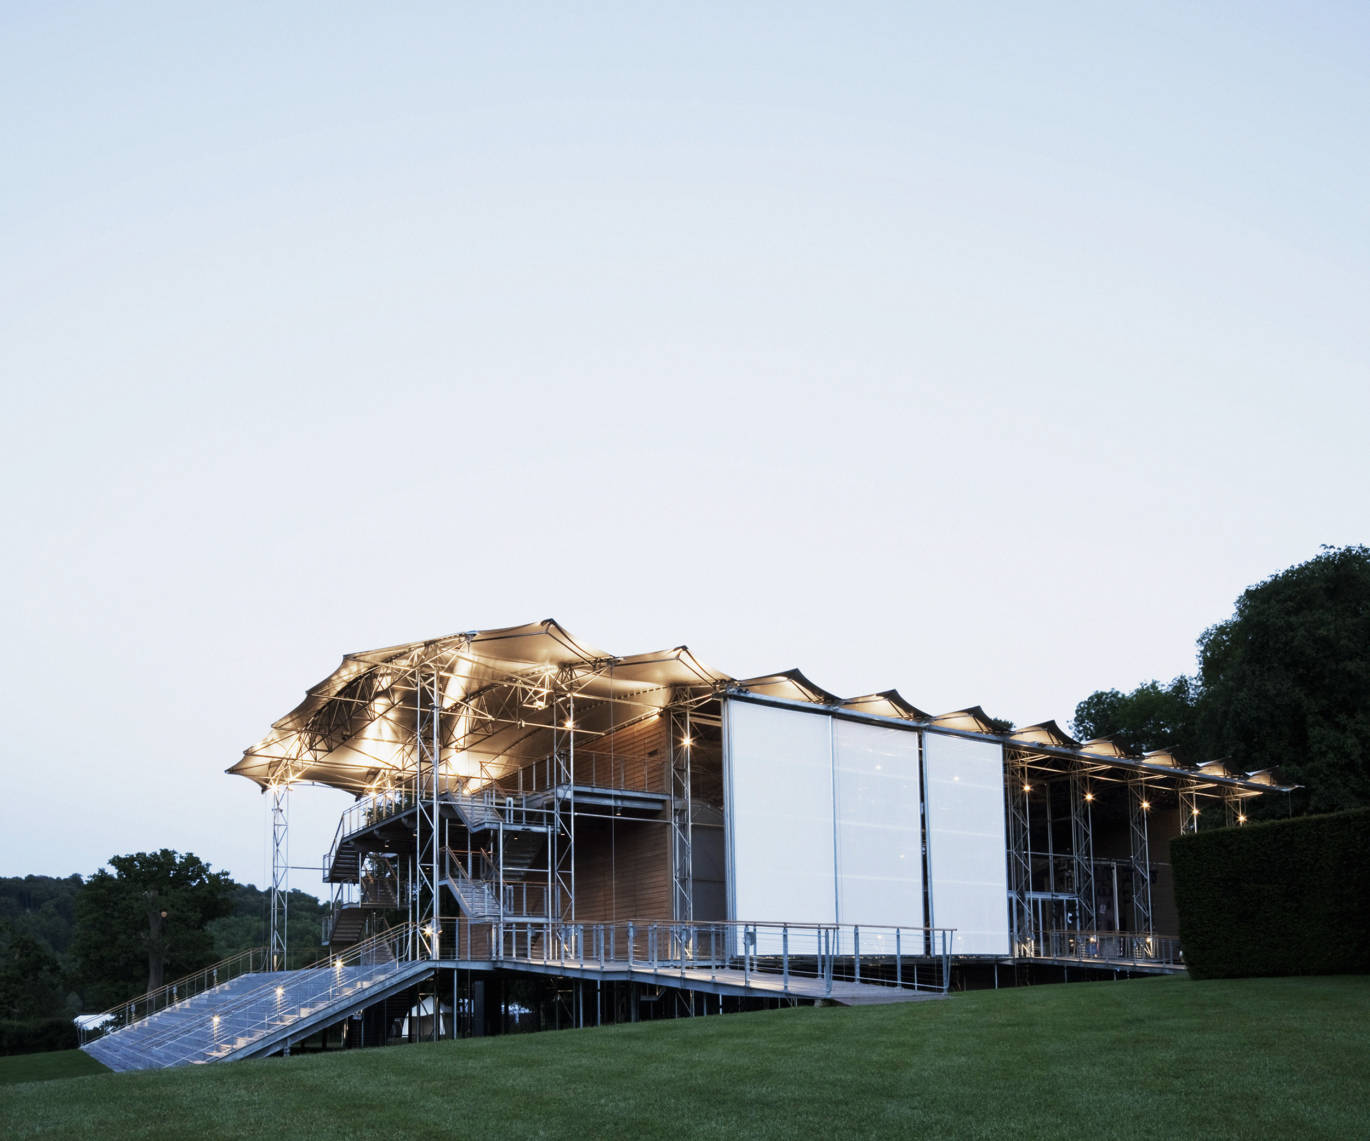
(1167, 1057)
(48, 1066)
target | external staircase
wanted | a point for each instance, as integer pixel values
(263, 1013)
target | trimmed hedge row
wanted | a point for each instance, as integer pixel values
(1290, 897)
(37, 1035)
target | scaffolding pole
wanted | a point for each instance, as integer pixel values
(1082, 847)
(564, 818)
(280, 871)
(1138, 809)
(1189, 808)
(682, 858)
(427, 748)
(1020, 859)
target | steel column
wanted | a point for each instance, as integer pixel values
(1082, 847)
(280, 871)
(682, 858)
(1139, 808)
(1019, 857)
(1189, 808)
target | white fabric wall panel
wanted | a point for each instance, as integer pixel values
(879, 833)
(781, 814)
(967, 852)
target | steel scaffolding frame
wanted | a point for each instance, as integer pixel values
(682, 855)
(1188, 794)
(427, 765)
(280, 873)
(1082, 846)
(1019, 789)
(563, 838)
(1139, 854)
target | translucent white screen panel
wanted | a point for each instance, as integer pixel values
(781, 814)
(967, 853)
(879, 832)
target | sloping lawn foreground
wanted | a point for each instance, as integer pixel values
(1157, 1058)
(48, 1066)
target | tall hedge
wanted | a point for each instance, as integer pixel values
(1289, 897)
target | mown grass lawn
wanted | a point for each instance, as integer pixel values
(1158, 1058)
(48, 1067)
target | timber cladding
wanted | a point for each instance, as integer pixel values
(636, 757)
(623, 870)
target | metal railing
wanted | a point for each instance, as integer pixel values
(1106, 947)
(188, 986)
(792, 959)
(493, 804)
(247, 1018)
(478, 895)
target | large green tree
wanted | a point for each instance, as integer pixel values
(30, 977)
(1286, 680)
(143, 923)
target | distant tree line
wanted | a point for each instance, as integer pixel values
(1284, 683)
(74, 944)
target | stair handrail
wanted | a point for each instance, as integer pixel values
(463, 878)
(138, 1007)
(402, 939)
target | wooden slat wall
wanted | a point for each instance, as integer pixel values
(623, 871)
(636, 757)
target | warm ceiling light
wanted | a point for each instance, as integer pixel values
(686, 742)
(1089, 796)
(1146, 804)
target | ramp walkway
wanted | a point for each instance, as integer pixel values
(260, 1013)
(845, 964)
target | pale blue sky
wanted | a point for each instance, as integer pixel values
(985, 351)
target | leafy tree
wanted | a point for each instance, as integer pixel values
(247, 923)
(30, 977)
(1152, 716)
(1286, 679)
(145, 922)
(43, 907)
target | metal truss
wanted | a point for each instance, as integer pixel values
(1233, 811)
(1082, 848)
(1138, 808)
(1019, 856)
(682, 856)
(1189, 808)
(563, 838)
(427, 778)
(280, 873)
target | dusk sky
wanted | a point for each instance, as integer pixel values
(984, 351)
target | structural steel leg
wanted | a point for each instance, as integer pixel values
(1139, 808)
(1082, 848)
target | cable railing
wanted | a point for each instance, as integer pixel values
(136, 1009)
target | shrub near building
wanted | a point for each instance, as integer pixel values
(1289, 897)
